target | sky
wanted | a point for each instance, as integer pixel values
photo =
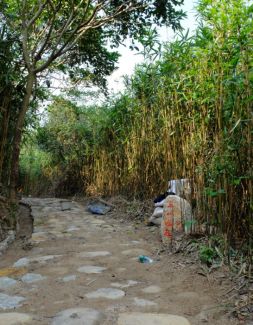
(129, 58)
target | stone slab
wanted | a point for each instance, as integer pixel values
(135, 252)
(25, 261)
(107, 293)
(144, 303)
(9, 302)
(6, 282)
(95, 254)
(128, 284)
(15, 319)
(78, 316)
(89, 269)
(67, 278)
(151, 289)
(151, 319)
(32, 277)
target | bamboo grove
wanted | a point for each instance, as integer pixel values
(187, 115)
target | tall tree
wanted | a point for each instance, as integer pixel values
(50, 32)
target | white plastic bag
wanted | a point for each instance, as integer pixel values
(160, 204)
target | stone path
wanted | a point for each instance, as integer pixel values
(84, 269)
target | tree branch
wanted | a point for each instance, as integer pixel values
(81, 29)
(46, 42)
(37, 14)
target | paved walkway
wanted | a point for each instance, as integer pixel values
(83, 270)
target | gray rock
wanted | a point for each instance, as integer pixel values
(135, 252)
(65, 205)
(32, 277)
(46, 258)
(179, 210)
(95, 254)
(151, 319)
(107, 293)
(7, 241)
(9, 302)
(135, 242)
(129, 283)
(15, 319)
(68, 278)
(89, 269)
(73, 228)
(78, 316)
(152, 289)
(144, 303)
(24, 261)
(6, 282)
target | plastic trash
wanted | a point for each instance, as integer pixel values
(99, 208)
(145, 259)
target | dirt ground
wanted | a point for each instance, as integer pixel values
(66, 245)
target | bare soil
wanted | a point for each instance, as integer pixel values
(67, 234)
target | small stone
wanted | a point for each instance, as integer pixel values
(124, 285)
(9, 302)
(89, 269)
(6, 282)
(73, 228)
(15, 319)
(151, 319)
(78, 316)
(65, 206)
(46, 258)
(24, 261)
(144, 302)
(69, 278)
(107, 293)
(95, 254)
(32, 277)
(135, 252)
(152, 289)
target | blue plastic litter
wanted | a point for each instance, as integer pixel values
(145, 259)
(99, 208)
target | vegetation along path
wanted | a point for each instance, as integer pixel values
(84, 269)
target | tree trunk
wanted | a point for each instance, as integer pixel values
(18, 136)
(5, 125)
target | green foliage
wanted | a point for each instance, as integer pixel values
(207, 254)
(36, 169)
(187, 115)
(70, 36)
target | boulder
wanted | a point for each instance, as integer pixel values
(177, 218)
